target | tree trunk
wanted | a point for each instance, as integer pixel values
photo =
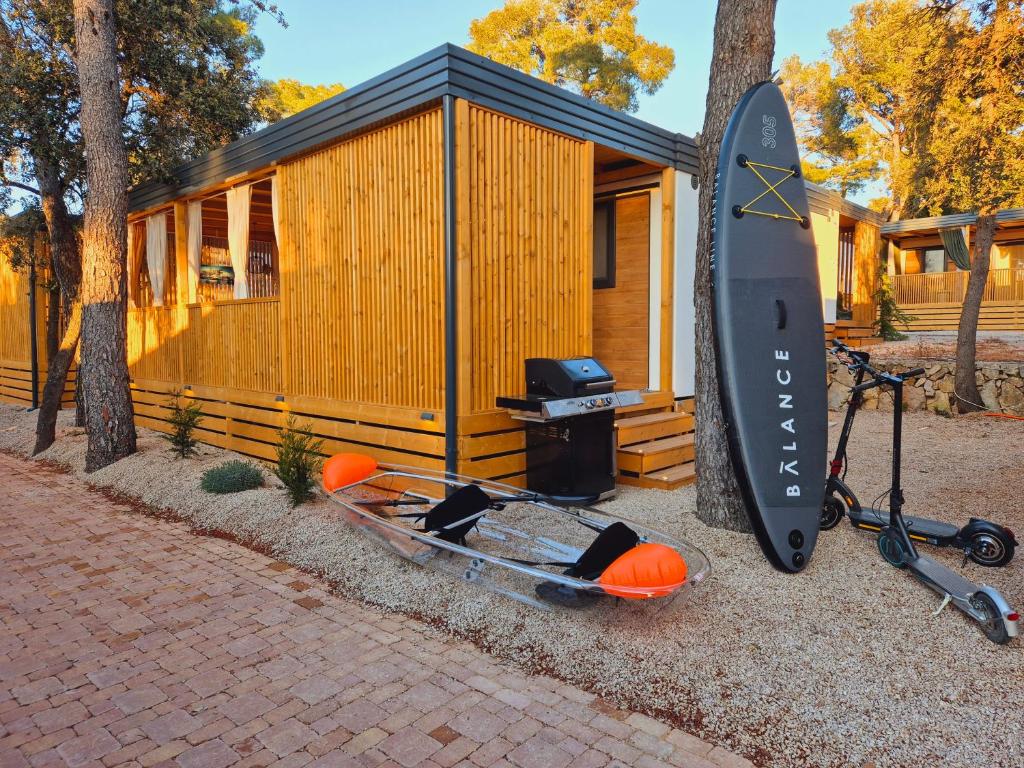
(66, 259)
(52, 323)
(744, 46)
(104, 367)
(966, 386)
(56, 376)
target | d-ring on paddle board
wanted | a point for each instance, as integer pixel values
(769, 328)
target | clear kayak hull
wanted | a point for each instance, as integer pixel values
(522, 545)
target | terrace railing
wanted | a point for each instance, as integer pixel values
(1003, 285)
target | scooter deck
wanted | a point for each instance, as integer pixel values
(941, 578)
(919, 528)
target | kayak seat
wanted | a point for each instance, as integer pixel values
(469, 501)
(614, 541)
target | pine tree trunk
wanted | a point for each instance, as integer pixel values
(104, 367)
(66, 260)
(968, 398)
(744, 47)
(56, 376)
(52, 323)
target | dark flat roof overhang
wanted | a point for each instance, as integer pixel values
(417, 84)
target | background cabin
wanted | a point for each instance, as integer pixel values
(381, 264)
(930, 286)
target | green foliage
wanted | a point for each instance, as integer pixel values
(591, 46)
(298, 460)
(18, 235)
(971, 149)
(232, 477)
(286, 97)
(860, 113)
(183, 421)
(187, 85)
(889, 313)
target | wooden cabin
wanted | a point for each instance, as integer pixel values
(381, 264)
(930, 287)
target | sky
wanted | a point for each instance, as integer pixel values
(349, 42)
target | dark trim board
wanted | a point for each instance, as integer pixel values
(421, 82)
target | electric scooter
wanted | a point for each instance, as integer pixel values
(984, 542)
(982, 603)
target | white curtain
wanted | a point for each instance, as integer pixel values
(238, 237)
(195, 247)
(156, 255)
(275, 209)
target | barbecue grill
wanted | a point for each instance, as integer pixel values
(569, 419)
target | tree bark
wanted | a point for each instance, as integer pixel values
(968, 398)
(56, 376)
(744, 47)
(109, 417)
(66, 260)
(52, 323)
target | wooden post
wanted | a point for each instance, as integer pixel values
(668, 260)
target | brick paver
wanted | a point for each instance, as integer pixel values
(126, 640)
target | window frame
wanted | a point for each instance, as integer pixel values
(608, 281)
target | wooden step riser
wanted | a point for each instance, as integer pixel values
(644, 463)
(648, 482)
(680, 425)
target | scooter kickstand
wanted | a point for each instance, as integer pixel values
(945, 601)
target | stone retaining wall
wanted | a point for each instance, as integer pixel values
(1001, 386)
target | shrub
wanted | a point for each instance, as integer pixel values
(183, 423)
(298, 460)
(889, 312)
(232, 477)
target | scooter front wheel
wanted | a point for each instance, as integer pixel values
(892, 550)
(992, 625)
(990, 549)
(832, 511)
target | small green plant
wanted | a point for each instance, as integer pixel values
(889, 313)
(183, 421)
(298, 460)
(232, 477)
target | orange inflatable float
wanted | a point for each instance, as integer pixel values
(656, 569)
(345, 469)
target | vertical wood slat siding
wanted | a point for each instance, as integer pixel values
(530, 243)
(362, 268)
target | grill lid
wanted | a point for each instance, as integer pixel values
(548, 377)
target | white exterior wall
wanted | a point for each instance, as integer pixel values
(683, 339)
(826, 242)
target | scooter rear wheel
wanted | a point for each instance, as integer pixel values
(892, 550)
(991, 550)
(993, 625)
(832, 511)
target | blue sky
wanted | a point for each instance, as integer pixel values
(350, 42)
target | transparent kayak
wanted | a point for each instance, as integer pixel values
(510, 541)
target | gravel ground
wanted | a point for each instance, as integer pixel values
(992, 346)
(840, 665)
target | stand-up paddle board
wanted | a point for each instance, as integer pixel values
(769, 328)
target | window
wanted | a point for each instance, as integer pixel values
(934, 260)
(604, 243)
(151, 261)
(217, 269)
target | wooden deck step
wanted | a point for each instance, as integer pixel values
(666, 479)
(651, 426)
(643, 458)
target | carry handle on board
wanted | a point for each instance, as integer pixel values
(780, 314)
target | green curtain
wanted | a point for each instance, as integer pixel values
(955, 243)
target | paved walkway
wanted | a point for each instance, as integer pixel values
(127, 641)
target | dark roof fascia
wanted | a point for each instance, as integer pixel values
(420, 82)
(822, 200)
(911, 226)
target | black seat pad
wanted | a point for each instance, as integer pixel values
(615, 540)
(467, 501)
